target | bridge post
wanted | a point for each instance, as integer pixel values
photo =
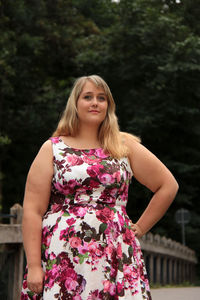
(151, 267)
(164, 270)
(18, 255)
(170, 270)
(158, 269)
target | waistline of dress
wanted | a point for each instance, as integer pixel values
(90, 205)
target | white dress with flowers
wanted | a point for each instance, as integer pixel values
(89, 251)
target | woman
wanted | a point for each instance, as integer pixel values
(75, 204)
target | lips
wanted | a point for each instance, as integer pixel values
(94, 111)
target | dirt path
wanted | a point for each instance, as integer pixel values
(186, 293)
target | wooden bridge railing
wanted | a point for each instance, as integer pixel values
(167, 261)
(11, 242)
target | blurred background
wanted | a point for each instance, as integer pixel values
(148, 51)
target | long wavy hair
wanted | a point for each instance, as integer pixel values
(109, 135)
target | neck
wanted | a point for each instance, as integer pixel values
(88, 133)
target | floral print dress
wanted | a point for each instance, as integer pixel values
(89, 251)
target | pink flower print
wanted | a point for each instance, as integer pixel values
(106, 284)
(128, 236)
(50, 276)
(146, 283)
(71, 221)
(107, 197)
(105, 215)
(106, 178)
(92, 246)
(109, 287)
(94, 184)
(83, 198)
(123, 191)
(45, 230)
(56, 207)
(123, 208)
(113, 271)
(119, 250)
(130, 274)
(54, 270)
(109, 250)
(81, 190)
(55, 139)
(125, 175)
(76, 259)
(112, 230)
(91, 159)
(77, 298)
(67, 188)
(50, 282)
(55, 227)
(65, 233)
(121, 219)
(82, 211)
(61, 188)
(117, 176)
(24, 284)
(70, 284)
(78, 211)
(24, 296)
(46, 239)
(113, 192)
(112, 289)
(94, 170)
(52, 256)
(95, 295)
(100, 153)
(71, 279)
(75, 242)
(74, 160)
(120, 287)
(72, 184)
(90, 152)
(82, 249)
(124, 195)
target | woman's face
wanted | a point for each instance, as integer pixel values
(92, 104)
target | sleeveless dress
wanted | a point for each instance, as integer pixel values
(89, 251)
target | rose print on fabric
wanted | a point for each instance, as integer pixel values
(89, 251)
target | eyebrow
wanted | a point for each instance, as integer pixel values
(92, 93)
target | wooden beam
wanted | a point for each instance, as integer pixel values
(11, 233)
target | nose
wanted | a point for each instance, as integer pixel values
(94, 101)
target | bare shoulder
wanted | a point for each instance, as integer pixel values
(47, 146)
(137, 151)
(44, 158)
(38, 184)
(146, 167)
(132, 142)
(46, 150)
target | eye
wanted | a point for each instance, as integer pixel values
(102, 98)
(87, 97)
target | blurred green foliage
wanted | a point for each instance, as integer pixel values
(147, 51)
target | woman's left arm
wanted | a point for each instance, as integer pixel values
(152, 173)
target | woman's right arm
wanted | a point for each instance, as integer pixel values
(36, 200)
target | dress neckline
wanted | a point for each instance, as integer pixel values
(61, 140)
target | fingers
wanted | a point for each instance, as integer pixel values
(35, 280)
(136, 229)
(35, 287)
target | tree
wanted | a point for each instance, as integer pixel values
(147, 51)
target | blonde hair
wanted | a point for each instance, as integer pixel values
(110, 137)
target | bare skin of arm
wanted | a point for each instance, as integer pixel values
(153, 174)
(36, 200)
